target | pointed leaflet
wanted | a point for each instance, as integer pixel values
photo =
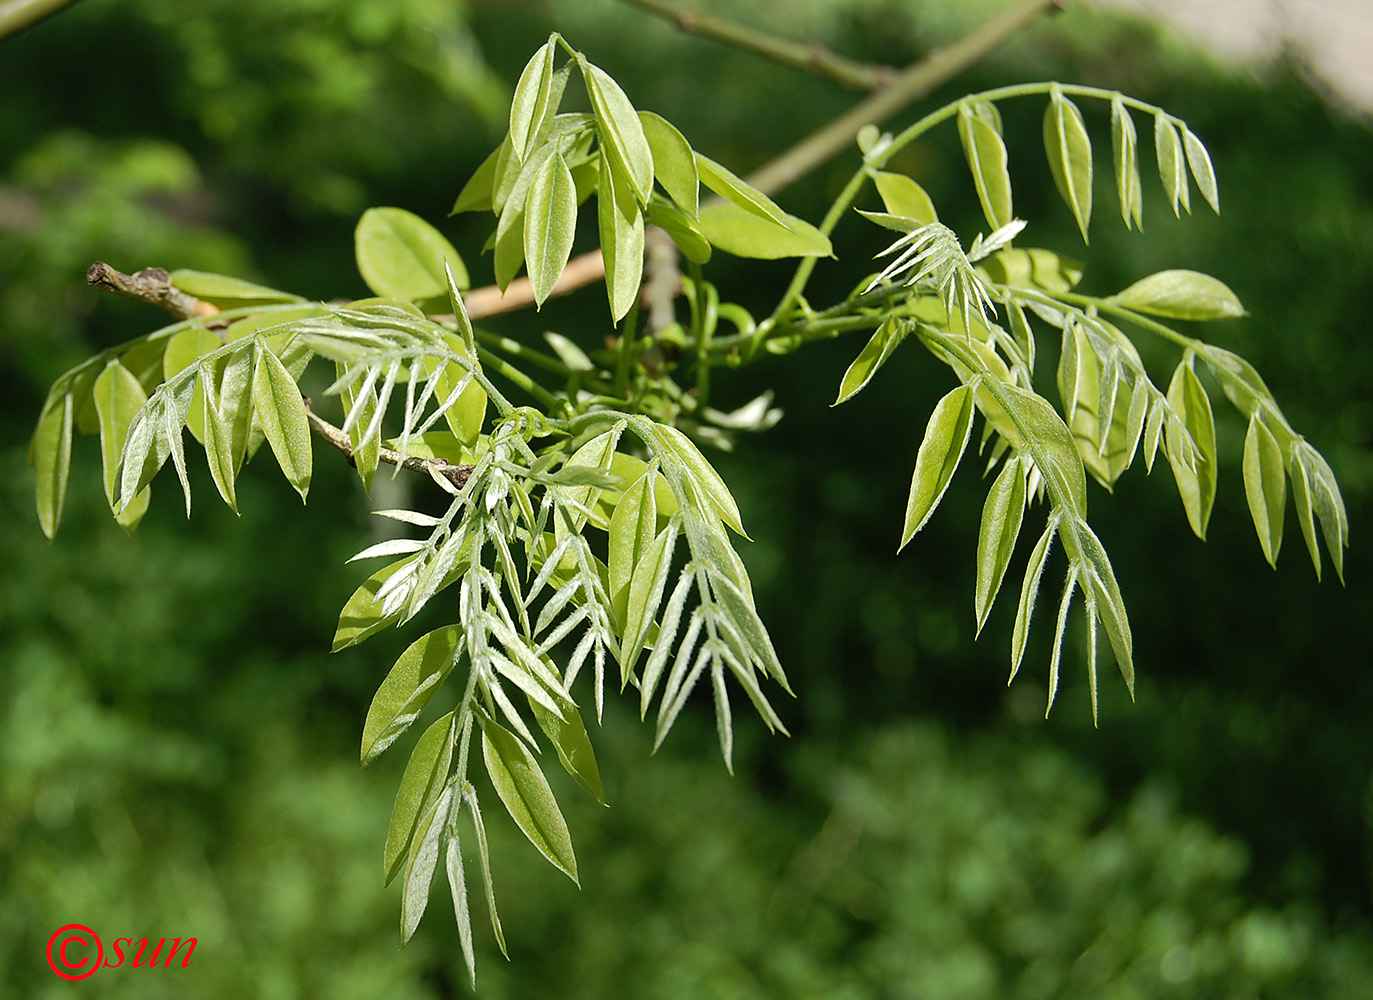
(469, 798)
(183, 350)
(1171, 170)
(526, 796)
(401, 256)
(1195, 474)
(619, 128)
(1099, 581)
(407, 688)
(1264, 486)
(218, 441)
(622, 241)
(946, 436)
(684, 230)
(1301, 499)
(281, 410)
(1125, 157)
(530, 105)
(671, 445)
(1200, 162)
(674, 162)
(744, 233)
(872, 357)
(903, 196)
(51, 458)
(645, 595)
(118, 396)
(457, 885)
(476, 194)
(986, 155)
(569, 739)
(424, 858)
(1001, 517)
(550, 222)
(633, 526)
(738, 191)
(1070, 155)
(1329, 507)
(362, 615)
(424, 777)
(1181, 294)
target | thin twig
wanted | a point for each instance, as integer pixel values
(152, 285)
(336, 436)
(808, 57)
(16, 15)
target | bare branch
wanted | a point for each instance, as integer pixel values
(336, 436)
(152, 285)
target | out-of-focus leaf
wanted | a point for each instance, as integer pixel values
(622, 241)
(1001, 517)
(420, 786)
(872, 357)
(1125, 156)
(527, 798)
(946, 436)
(280, 408)
(986, 155)
(1195, 474)
(1171, 171)
(550, 223)
(744, 233)
(569, 739)
(620, 129)
(1070, 156)
(402, 256)
(475, 195)
(1181, 294)
(903, 196)
(674, 162)
(1265, 486)
(51, 458)
(407, 688)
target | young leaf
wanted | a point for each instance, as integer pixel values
(738, 191)
(569, 739)
(1001, 517)
(226, 292)
(1301, 499)
(946, 436)
(1200, 162)
(1029, 593)
(1264, 486)
(671, 445)
(620, 130)
(674, 162)
(407, 688)
(1125, 156)
(118, 396)
(51, 459)
(986, 155)
(420, 785)
(362, 614)
(903, 196)
(645, 595)
(1070, 156)
(622, 241)
(530, 104)
(1181, 294)
(684, 230)
(281, 410)
(483, 856)
(401, 256)
(457, 885)
(1168, 149)
(476, 194)
(423, 859)
(744, 233)
(183, 350)
(219, 445)
(1063, 606)
(872, 357)
(525, 793)
(1105, 602)
(1195, 474)
(550, 222)
(633, 526)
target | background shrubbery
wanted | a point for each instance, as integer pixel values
(177, 749)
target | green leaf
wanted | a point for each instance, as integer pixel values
(674, 162)
(550, 223)
(420, 786)
(183, 350)
(362, 615)
(475, 195)
(684, 230)
(457, 884)
(1301, 499)
(226, 292)
(423, 859)
(1029, 594)
(872, 357)
(1194, 473)
(645, 596)
(1168, 149)
(1070, 156)
(946, 436)
(401, 256)
(671, 445)
(569, 739)
(618, 125)
(530, 105)
(1200, 162)
(1325, 495)
(1264, 486)
(903, 196)
(622, 241)
(281, 410)
(1001, 517)
(739, 192)
(484, 857)
(219, 445)
(633, 526)
(744, 233)
(118, 397)
(509, 247)
(1104, 597)
(986, 155)
(51, 459)
(409, 685)
(1125, 156)
(527, 798)
(1181, 294)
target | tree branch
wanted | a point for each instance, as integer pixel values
(152, 285)
(455, 474)
(16, 15)
(808, 57)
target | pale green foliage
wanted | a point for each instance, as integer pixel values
(589, 534)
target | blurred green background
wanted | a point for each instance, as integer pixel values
(178, 749)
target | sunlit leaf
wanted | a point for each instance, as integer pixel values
(1001, 517)
(1029, 594)
(457, 885)
(362, 615)
(872, 357)
(420, 786)
(527, 798)
(1265, 486)
(743, 233)
(670, 444)
(118, 396)
(1195, 473)
(1301, 500)
(622, 241)
(1199, 160)
(569, 738)
(986, 155)
(280, 408)
(946, 436)
(409, 685)
(1125, 157)
(550, 223)
(903, 196)
(1181, 294)
(739, 192)
(1070, 155)
(421, 862)
(219, 445)
(620, 129)
(1171, 170)
(51, 458)
(674, 162)
(530, 105)
(402, 256)
(227, 292)
(684, 230)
